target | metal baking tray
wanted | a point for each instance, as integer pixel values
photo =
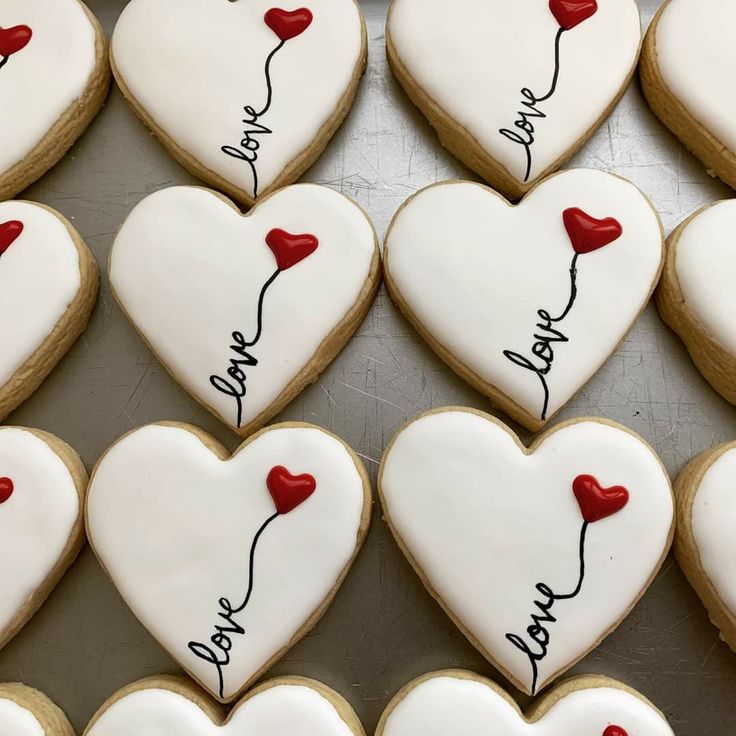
(383, 628)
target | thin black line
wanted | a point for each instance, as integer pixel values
(579, 586)
(4, 61)
(261, 298)
(251, 566)
(556, 76)
(269, 97)
(573, 289)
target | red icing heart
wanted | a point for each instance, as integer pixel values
(615, 731)
(14, 39)
(571, 13)
(290, 249)
(597, 503)
(288, 24)
(588, 234)
(289, 491)
(9, 233)
(6, 489)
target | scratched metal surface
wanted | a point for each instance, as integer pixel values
(383, 628)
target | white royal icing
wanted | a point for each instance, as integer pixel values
(474, 58)
(37, 519)
(706, 268)
(475, 272)
(39, 279)
(696, 56)
(296, 710)
(189, 269)
(17, 721)
(486, 523)
(452, 705)
(41, 81)
(174, 526)
(713, 525)
(163, 50)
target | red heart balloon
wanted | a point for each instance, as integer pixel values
(588, 234)
(288, 24)
(9, 233)
(14, 39)
(289, 491)
(615, 731)
(6, 489)
(290, 249)
(596, 502)
(571, 13)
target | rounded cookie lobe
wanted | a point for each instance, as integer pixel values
(456, 700)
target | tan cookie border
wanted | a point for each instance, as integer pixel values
(74, 544)
(714, 362)
(719, 160)
(215, 712)
(221, 452)
(31, 374)
(687, 487)
(52, 719)
(293, 170)
(497, 397)
(530, 450)
(325, 354)
(536, 712)
(68, 128)
(460, 142)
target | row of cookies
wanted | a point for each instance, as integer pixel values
(282, 81)
(524, 302)
(431, 705)
(559, 541)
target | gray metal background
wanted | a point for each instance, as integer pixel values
(383, 629)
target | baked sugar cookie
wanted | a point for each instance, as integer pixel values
(696, 297)
(246, 311)
(525, 303)
(164, 706)
(558, 541)
(28, 712)
(686, 72)
(228, 561)
(514, 88)
(48, 287)
(42, 487)
(435, 704)
(243, 93)
(705, 544)
(54, 77)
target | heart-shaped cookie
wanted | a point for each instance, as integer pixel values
(246, 311)
(168, 706)
(526, 302)
(48, 287)
(435, 704)
(696, 297)
(705, 544)
(537, 555)
(253, 116)
(228, 561)
(686, 72)
(42, 486)
(514, 88)
(28, 712)
(54, 77)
